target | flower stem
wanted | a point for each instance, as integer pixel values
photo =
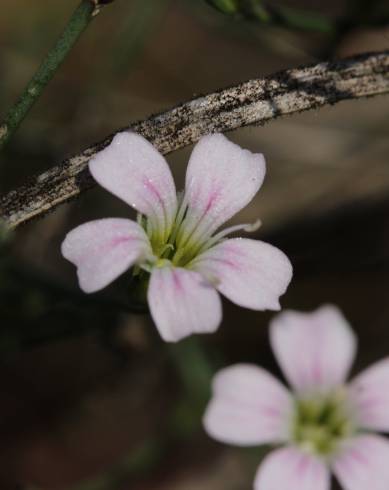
(361, 13)
(267, 13)
(76, 25)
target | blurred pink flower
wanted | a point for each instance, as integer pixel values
(175, 243)
(324, 425)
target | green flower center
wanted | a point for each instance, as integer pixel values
(179, 256)
(321, 423)
(171, 246)
(184, 240)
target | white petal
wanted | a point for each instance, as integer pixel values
(251, 273)
(182, 302)
(248, 407)
(221, 179)
(133, 170)
(290, 469)
(369, 396)
(315, 350)
(103, 249)
(363, 464)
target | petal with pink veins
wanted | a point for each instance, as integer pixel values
(369, 397)
(363, 464)
(250, 273)
(291, 469)
(133, 170)
(248, 407)
(103, 249)
(182, 302)
(221, 179)
(315, 350)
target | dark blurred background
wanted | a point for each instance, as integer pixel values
(91, 398)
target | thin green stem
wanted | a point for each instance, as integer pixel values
(265, 12)
(193, 368)
(76, 25)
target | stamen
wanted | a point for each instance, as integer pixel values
(194, 229)
(181, 206)
(187, 229)
(247, 227)
(199, 231)
(164, 253)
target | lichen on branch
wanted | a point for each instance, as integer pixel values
(249, 103)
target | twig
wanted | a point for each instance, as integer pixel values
(76, 25)
(253, 102)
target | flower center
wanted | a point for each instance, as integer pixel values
(172, 246)
(321, 423)
(180, 256)
(187, 237)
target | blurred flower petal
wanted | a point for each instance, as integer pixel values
(290, 469)
(315, 350)
(248, 406)
(369, 395)
(363, 464)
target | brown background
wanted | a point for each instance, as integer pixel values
(90, 397)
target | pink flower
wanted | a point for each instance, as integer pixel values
(323, 425)
(175, 245)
